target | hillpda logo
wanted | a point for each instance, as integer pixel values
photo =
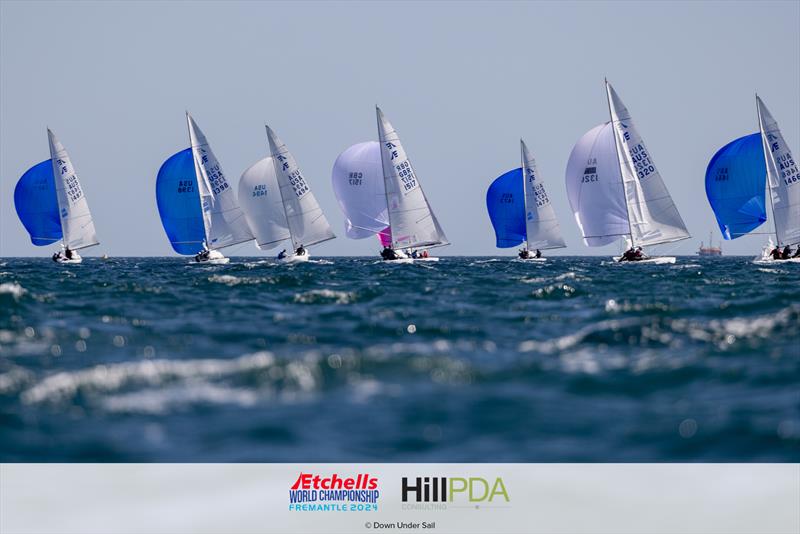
(334, 493)
(435, 493)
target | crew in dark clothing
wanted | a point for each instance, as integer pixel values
(301, 251)
(629, 255)
(282, 254)
(55, 256)
(797, 252)
(776, 253)
(524, 253)
(639, 253)
(538, 253)
(68, 253)
(787, 252)
(202, 256)
(389, 254)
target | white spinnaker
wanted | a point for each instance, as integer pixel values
(224, 220)
(412, 220)
(307, 223)
(541, 224)
(594, 188)
(784, 178)
(261, 202)
(76, 219)
(653, 216)
(357, 180)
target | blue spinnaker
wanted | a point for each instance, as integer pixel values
(179, 203)
(735, 184)
(37, 205)
(505, 201)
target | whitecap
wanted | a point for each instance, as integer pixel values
(12, 288)
(315, 296)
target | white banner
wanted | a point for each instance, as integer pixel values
(359, 498)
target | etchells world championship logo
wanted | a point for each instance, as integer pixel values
(334, 493)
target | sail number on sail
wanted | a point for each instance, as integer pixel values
(73, 187)
(590, 173)
(216, 179)
(788, 166)
(185, 186)
(355, 178)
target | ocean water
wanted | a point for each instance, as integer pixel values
(351, 359)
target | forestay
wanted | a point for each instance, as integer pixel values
(36, 204)
(594, 188)
(652, 214)
(412, 220)
(784, 179)
(541, 225)
(307, 224)
(178, 202)
(357, 180)
(260, 199)
(735, 186)
(223, 218)
(76, 219)
(505, 203)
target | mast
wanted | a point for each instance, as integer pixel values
(199, 177)
(383, 173)
(280, 192)
(765, 146)
(524, 191)
(619, 162)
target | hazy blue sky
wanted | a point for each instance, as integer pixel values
(461, 82)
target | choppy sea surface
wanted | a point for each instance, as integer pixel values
(352, 359)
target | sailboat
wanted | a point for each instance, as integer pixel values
(279, 205)
(197, 205)
(747, 175)
(413, 225)
(51, 205)
(616, 191)
(521, 212)
(380, 195)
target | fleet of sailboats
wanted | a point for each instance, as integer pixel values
(754, 176)
(613, 186)
(52, 206)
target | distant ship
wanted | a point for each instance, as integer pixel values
(710, 250)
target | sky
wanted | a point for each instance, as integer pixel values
(461, 82)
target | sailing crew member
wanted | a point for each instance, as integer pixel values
(787, 252)
(301, 251)
(388, 254)
(524, 253)
(640, 254)
(425, 253)
(538, 253)
(628, 255)
(282, 254)
(776, 253)
(797, 252)
(68, 253)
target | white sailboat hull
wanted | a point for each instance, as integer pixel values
(530, 260)
(661, 260)
(294, 258)
(214, 257)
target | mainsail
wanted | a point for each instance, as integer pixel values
(76, 219)
(784, 179)
(653, 216)
(357, 180)
(225, 224)
(594, 188)
(410, 215)
(260, 199)
(735, 186)
(542, 229)
(307, 224)
(37, 206)
(178, 199)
